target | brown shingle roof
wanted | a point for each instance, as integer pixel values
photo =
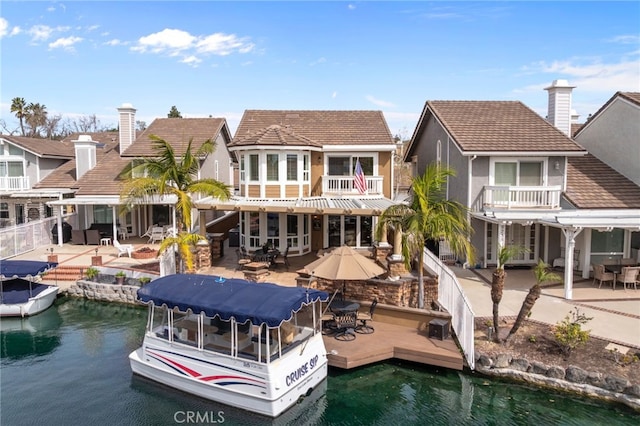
(103, 178)
(591, 184)
(633, 97)
(43, 147)
(178, 132)
(65, 175)
(496, 126)
(274, 135)
(323, 127)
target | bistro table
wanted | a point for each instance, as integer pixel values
(338, 306)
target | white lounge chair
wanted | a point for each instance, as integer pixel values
(157, 234)
(123, 248)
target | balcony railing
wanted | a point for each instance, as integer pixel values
(20, 183)
(520, 197)
(343, 185)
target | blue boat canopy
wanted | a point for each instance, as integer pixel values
(10, 269)
(262, 303)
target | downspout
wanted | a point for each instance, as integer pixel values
(469, 188)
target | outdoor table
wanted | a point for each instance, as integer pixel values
(343, 306)
(616, 270)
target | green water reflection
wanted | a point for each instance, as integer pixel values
(69, 365)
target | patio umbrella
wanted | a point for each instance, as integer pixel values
(344, 263)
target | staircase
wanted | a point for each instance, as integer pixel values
(65, 273)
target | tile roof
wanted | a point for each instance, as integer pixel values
(109, 139)
(591, 184)
(103, 178)
(499, 126)
(64, 176)
(323, 127)
(178, 132)
(43, 147)
(274, 135)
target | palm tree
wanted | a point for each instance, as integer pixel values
(19, 107)
(168, 174)
(498, 278)
(36, 116)
(429, 217)
(543, 274)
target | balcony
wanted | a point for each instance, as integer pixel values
(343, 185)
(18, 183)
(519, 197)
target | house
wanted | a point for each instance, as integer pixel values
(612, 134)
(95, 176)
(297, 178)
(523, 179)
(24, 162)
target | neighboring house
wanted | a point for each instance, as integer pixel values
(24, 162)
(297, 185)
(97, 181)
(525, 181)
(612, 134)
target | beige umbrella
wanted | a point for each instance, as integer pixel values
(344, 263)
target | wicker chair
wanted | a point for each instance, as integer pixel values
(599, 274)
(629, 275)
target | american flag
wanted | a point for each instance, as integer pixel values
(359, 181)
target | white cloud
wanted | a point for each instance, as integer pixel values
(334, 95)
(223, 44)
(591, 75)
(351, 7)
(379, 102)
(15, 31)
(318, 61)
(44, 32)
(115, 42)
(65, 43)
(93, 28)
(3, 27)
(178, 43)
(625, 39)
(191, 60)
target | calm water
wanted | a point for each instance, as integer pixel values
(69, 365)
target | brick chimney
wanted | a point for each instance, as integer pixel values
(127, 126)
(85, 154)
(559, 109)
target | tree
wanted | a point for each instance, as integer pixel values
(429, 217)
(498, 278)
(36, 117)
(19, 107)
(167, 174)
(141, 125)
(543, 275)
(174, 113)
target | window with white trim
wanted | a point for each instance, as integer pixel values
(272, 167)
(292, 167)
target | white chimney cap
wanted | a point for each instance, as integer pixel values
(127, 105)
(84, 138)
(560, 84)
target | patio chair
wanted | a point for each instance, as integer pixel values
(282, 259)
(363, 317)
(242, 260)
(346, 325)
(77, 237)
(157, 234)
(93, 237)
(123, 248)
(148, 233)
(122, 232)
(599, 274)
(629, 275)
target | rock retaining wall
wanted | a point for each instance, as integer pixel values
(572, 379)
(104, 292)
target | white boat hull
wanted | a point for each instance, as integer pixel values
(267, 389)
(32, 306)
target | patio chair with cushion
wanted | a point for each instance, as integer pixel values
(629, 275)
(93, 237)
(346, 325)
(123, 248)
(363, 317)
(77, 237)
(242, 260)
(282, 259)
(599, 274)
(157, 234)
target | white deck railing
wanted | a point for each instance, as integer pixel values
(518, 197)
(19, 183)
(452, 298)
(343, 185)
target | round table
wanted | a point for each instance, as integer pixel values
(343, 306)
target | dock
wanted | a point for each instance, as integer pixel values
(393, 341)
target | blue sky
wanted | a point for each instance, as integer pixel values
(220, 58)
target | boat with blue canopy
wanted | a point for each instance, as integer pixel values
(21, 294)
(255, 346)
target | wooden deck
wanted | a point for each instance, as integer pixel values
(393, 341)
